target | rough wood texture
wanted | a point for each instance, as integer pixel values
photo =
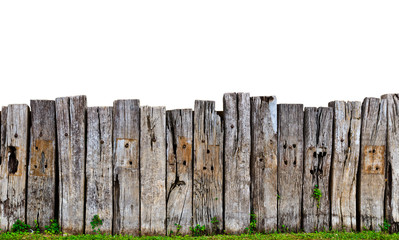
(208, 167)
(153, 170)
(318, 125)
(237, 154)
(126, 167)
(345, 162)
(41, 170)
(179, 136)
(392, 168)
(14, 165)
(99, 168)
(290, 165)
(264, 162)
(3, 171)
(71, 134)
(372, 163)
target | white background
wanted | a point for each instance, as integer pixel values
(170, 53)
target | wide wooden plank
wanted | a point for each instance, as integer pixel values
(237, 154)
(179, 168)
(14, 165)
(71, 135)
(208, 167)
(3, 171)
(372, 163)
(99, 168)
(126, 137)
(41, 169)
(345, 162)
(290, 165)
(264, 162)
(153, 170)
(318, 141)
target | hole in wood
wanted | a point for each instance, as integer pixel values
(285, 146)
(204, 168)
(184, 163)
(315, 154)
(66, 134)
(45, 166)
(126, 145)
(311, 171)
(16, 135)
(130, 162)
(102, 141)
(324, 154)
(35, 166)
(294, 163)
(211, 168)
(320, 171)
(377, 168)
(285, 162)
(271, 142)
(153, 139)
(232, 126)
(342, 140)
(12, 160)
(36, 148)
(203, 141)
(184, 146)
(294, 145)
(41, 134)
(373, 150)
(207, 151)
(260, 159)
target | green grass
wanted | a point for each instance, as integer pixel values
(320, 235)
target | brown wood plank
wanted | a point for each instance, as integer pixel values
(372, 163)
(153, 170)
(208, 167)
(264, 162)
(71, 135)
(99, 168)
(317, 161)
(41, 169)
(237, 154)
(290, 165)
(126, 137)
(179, 136)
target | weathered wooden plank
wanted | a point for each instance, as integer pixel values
(179, 136)
(153, 170)
(264, 162)
(41, 169)
(208, 167)
(345, 162)
(290, 165)
(126, 137)
(237, 154)
(14, 165)
(71, 135)
(372, 163)
(99, 168)
(318, 141)
(392, 162)
(3, 171)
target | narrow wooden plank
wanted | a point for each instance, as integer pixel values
(179, 136)
(41, 169)
(126, 137)
(290, 165)
(71, 135)
(14, 165)
(318, 141)
(237, 154)
(208, 167)
(392, 161)
(372, 163)
(264, 162)
(345, 162)
(99, 168)
(3, 171)
(153, 170)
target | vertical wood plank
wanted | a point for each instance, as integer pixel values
(71, 135)
(237, 154)
(345, 162)
(264, 162)
(179, 134)
(153, 170)
(99, 168)
(208, 166)
(15, 165)
(290, 165)
(3, 172)
(126, 167)
(372, 163)
(41, 169)
(317, 161)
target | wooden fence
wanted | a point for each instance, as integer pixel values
(148, 171)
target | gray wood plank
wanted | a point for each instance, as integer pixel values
(41, 169)
(126, 135)
(317, 161)
(208, 167)
(237, 154)
(372, 163)
(264, 162)
(290, 165)
(179, 167)
(71, 135)
(3, 171)
(99, 168)
(153, 170)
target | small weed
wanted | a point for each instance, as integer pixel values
(20, 227)
(252, 224)
(96, 222)
(385, 226)
(54, 228)
(198, 230)
(215, 225)
(317, 195)
(178, 227)
(37, 229)
(278, 197)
